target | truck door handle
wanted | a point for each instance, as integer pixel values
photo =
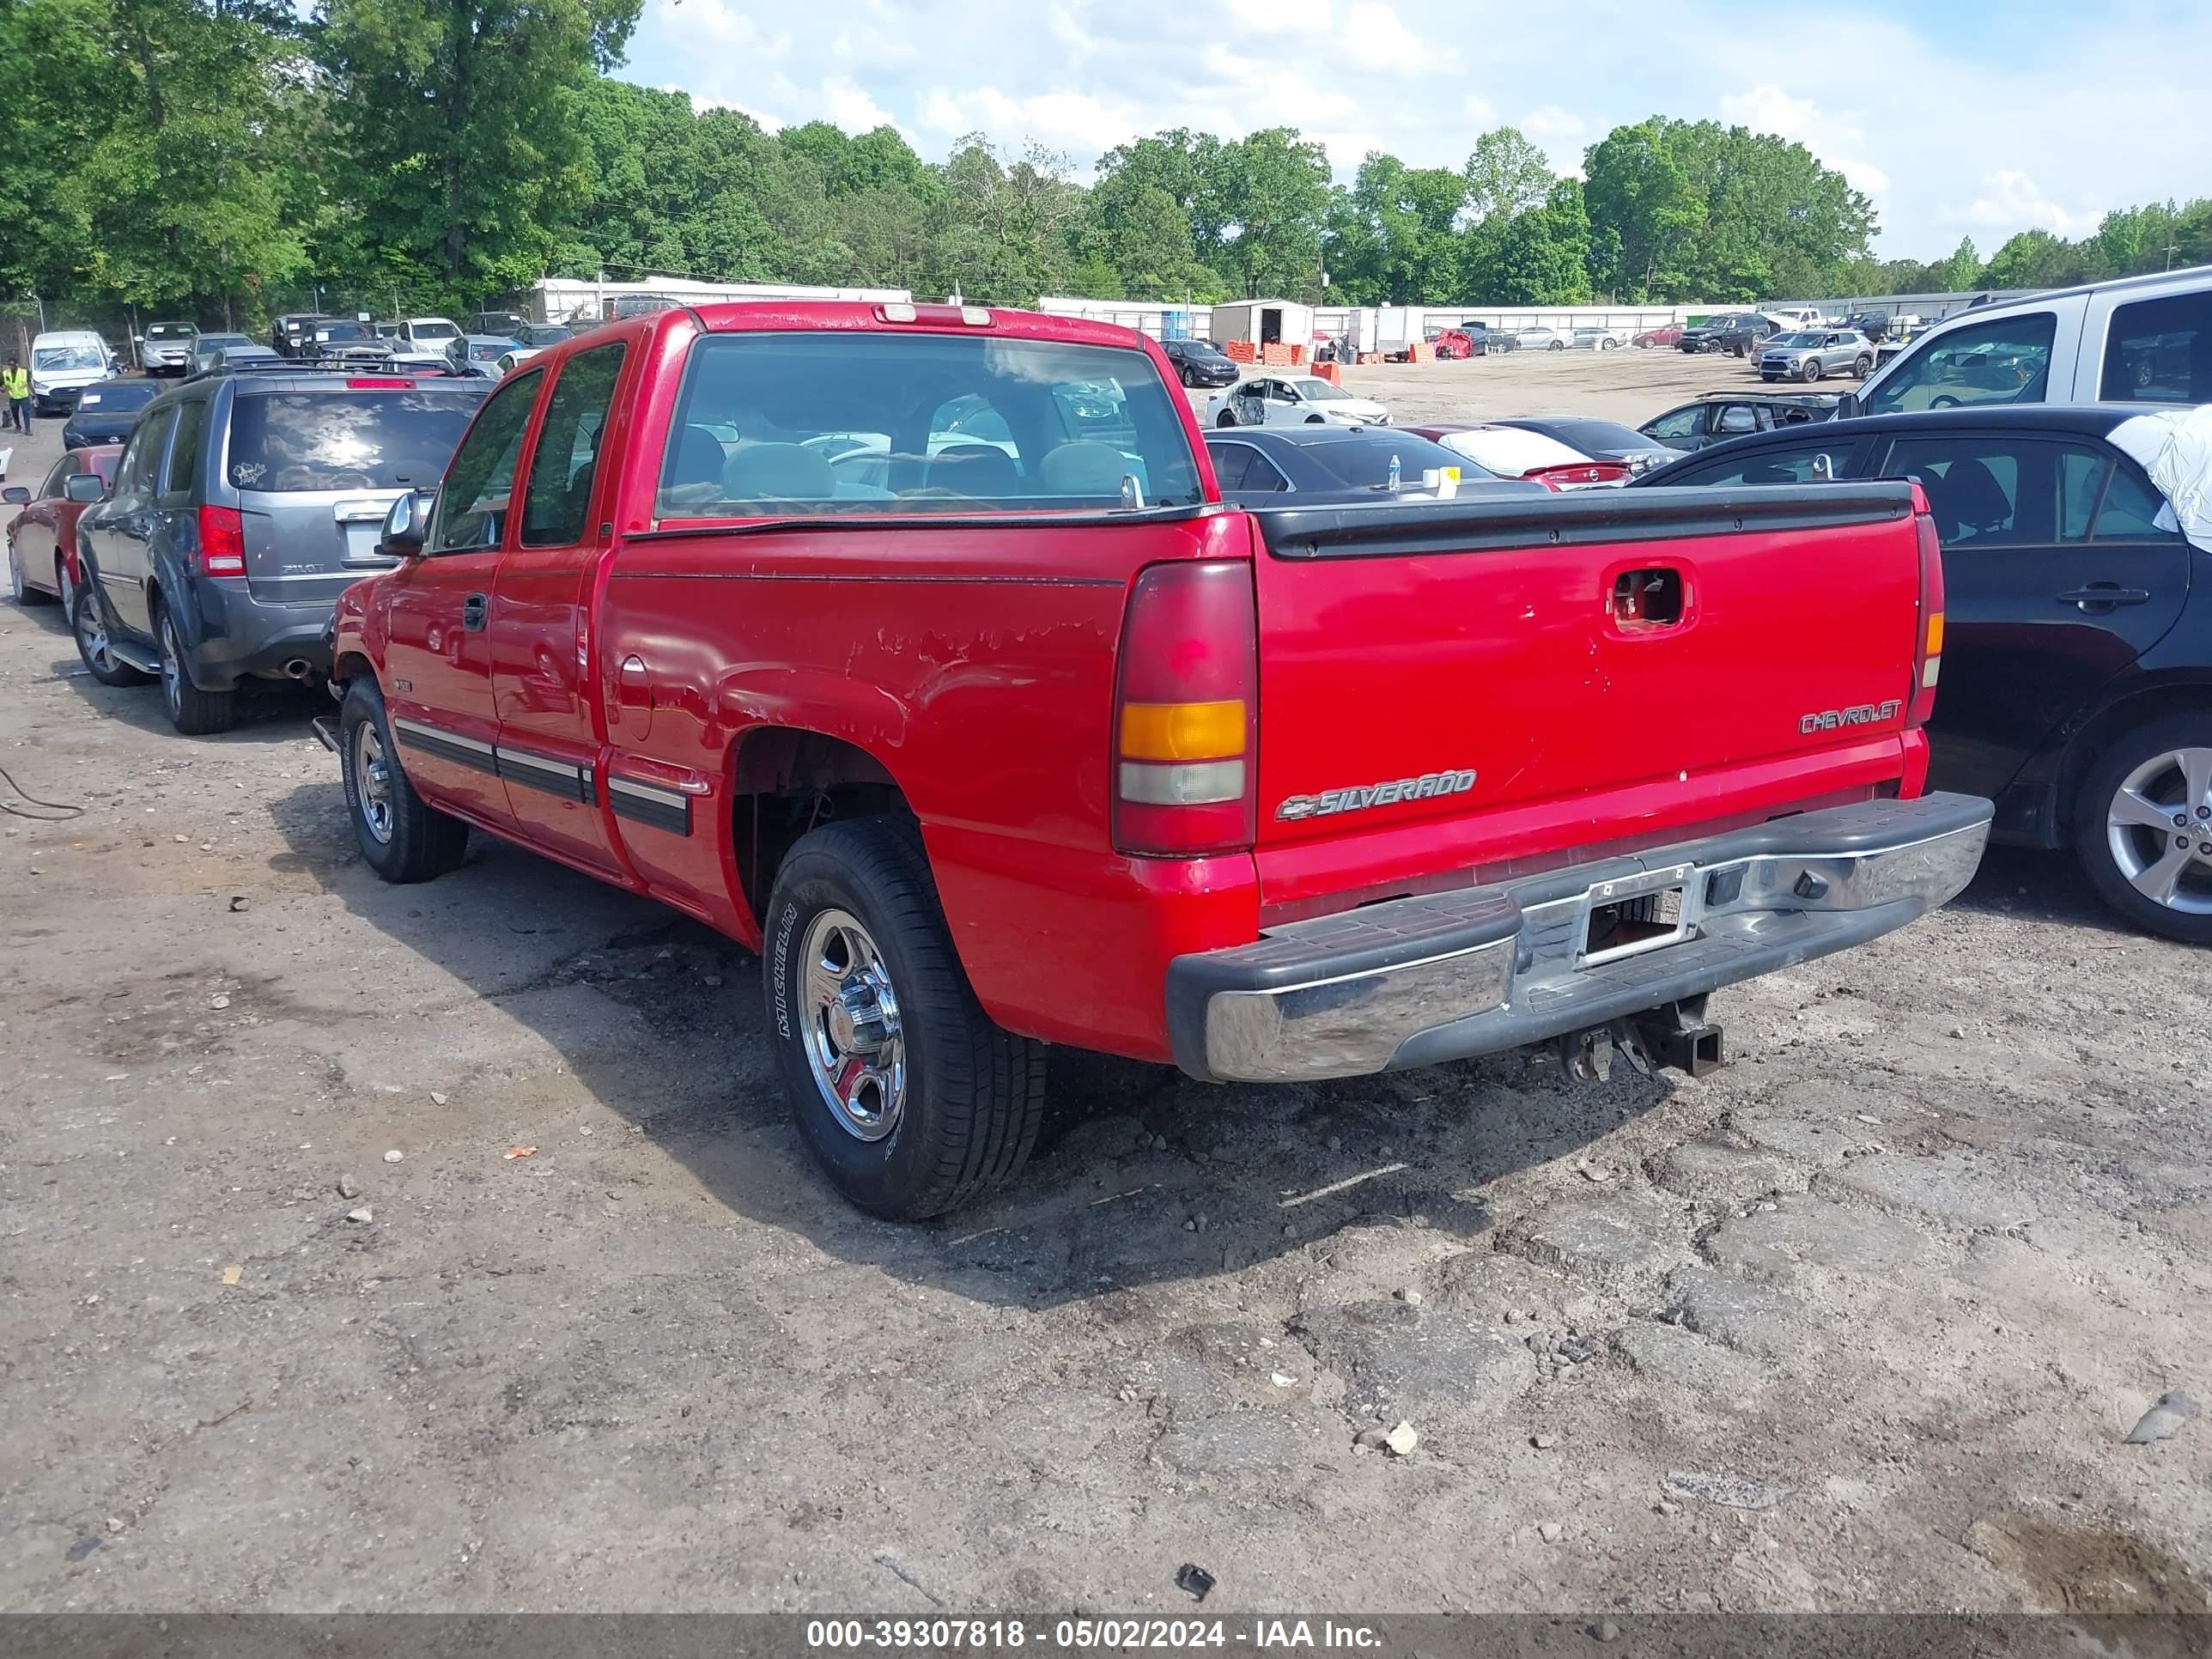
(2103, 596)
(474, 610)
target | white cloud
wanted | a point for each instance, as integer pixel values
(1374, 39)
(1550, 123)
(1292, 16)
(852, 108)
(1476, 108)
(1769, 109)
(2011, 201)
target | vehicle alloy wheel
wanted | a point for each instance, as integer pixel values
(373, 774)
(855, 1044)
(908, 1097)
(195, 712)
(88, 622)
(16, 590)
(1861, 366)
(2142, 827)
(1813, 369)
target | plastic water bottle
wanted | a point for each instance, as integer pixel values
(1393, 474)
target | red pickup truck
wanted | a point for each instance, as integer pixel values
(912, 646)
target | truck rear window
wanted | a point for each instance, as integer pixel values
(877, 423)
(297, 440)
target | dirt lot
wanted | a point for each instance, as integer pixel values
(1860, 1322)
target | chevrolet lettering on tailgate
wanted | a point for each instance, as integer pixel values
(1864, 713)
(1330, 802)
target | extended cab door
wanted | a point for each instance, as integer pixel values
(2054, 577)
(541, 646)
(120, 530)
(437, 658)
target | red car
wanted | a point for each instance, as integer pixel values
(1667, 335)
(912, 646)
(42, 537)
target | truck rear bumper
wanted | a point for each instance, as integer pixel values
(1414, 981)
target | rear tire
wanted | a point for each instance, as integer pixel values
(1224, 420)
(403, 837)
(864, 988)
(88, 622)
(2102, 817)
(21, 590)
(195, 712)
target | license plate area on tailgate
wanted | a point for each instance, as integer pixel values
(1646, 912)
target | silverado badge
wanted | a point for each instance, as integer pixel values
(1330, 802)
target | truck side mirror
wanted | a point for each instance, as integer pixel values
(405, 525)
(84, 487)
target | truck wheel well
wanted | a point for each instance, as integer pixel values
(2086, 746)
(351, 665)
(786, 782)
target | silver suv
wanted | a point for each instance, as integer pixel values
(1811, 352)
(247, 501)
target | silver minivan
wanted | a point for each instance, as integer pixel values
(2135, 340)
(244, 503)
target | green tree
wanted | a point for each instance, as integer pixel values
(1272, 197)
(1540, 255)
(1506, 174)
(54, 106)
(1961, 271)
(1391, 236)
(2035, 259)
(461, 121)
(1639, 191)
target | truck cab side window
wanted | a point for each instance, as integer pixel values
(2006, 360)
(2160, 350)
(556, 503)
(479, 484)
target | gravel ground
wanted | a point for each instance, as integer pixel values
(1860, 1322)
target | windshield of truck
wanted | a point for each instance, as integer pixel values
(869, 423)
(58, 359)
(2006, 360)
(345, 440)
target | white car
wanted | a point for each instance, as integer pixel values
(429, 334)
(1539, 339)
(1594, 339)
(1292, 400)
(1513, 452)
(64, 361)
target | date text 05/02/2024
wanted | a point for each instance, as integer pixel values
(1087, 1635)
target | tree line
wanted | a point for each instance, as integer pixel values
(199, 155)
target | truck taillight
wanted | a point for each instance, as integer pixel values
(1928, 649)
(1185, 712)
(223, 542)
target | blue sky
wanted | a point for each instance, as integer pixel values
(1975, 117)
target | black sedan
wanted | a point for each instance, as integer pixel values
(2076, 665)
(1601, 440)
(1335, 466)
(1197, 364)
(107, 411)
(1717, 418)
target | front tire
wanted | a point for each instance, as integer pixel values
(1861, 366)
(907, 1096)
(1812, 370)
(195, 712)
(2142, 827)
(403, 837)
(88, 622)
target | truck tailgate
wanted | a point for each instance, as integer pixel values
(1458, 686)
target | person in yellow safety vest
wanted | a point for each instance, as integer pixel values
(15, 385)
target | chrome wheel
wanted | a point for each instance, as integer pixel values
(855, 1046)
(173, 668)
(372, 781)
(92, 636)
(2157, 828)
(15, 571)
